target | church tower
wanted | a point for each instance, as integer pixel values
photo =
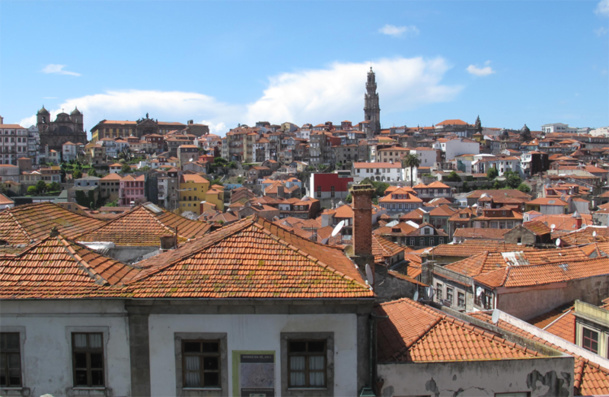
(372, 111)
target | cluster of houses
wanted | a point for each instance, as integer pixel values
(325, 263)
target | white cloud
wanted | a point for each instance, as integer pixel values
(601, 31)
(58, 69)
(602, 8)
(398, 31)
(337, 93)
(332, 94)
(483, 71)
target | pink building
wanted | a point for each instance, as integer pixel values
(131, 189)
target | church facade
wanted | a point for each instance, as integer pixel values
(65, 128)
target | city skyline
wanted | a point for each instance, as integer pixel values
(306, 62)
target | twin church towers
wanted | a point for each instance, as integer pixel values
(372, 111)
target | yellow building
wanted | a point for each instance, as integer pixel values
(215, 195)
(193, 190)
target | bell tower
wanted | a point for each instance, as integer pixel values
(372, 111)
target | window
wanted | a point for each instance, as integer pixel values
(88, 359)
(449, 295)
(460, 299)
(201, 363)
(439, 291)
(307, 362)
(590, 340)
(10, 359)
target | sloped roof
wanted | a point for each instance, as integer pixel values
(414, 332)
(251, 258)
(32, 222)
(524, 276)
(471, 247)
(56, 268)
(383, 248)
(143, 225)
(559, 321)
(590, 379)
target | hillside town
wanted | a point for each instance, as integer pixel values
(155, 258)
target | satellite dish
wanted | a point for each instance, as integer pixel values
(369, 274)
(495, 317)
(552, 226)
(558, 242)
(594, 233)
(338, 228)
(416, 296)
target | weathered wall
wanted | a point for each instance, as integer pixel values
(530, 302)
(260, 332)
(541, 377)
(46, 328)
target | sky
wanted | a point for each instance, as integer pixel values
(225, 63)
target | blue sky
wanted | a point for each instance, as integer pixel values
(229, 62)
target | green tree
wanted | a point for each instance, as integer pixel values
(512, 179)
(76, 174)
(523, 187)
(31, 190)
(452, 177)
(54, 187)
(126, 168)
(492, 173)
(411, 161)
(41, 187)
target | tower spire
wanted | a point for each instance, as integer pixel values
(372, 111)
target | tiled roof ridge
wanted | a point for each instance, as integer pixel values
(205, 241)
(456, 322)
(99, 280)
(557, 319)
(301, 251)
(21, 228)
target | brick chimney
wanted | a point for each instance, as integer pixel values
(362, 228)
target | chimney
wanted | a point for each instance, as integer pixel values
(326, 220)
(280, 192)
(167, 242)
(362, 228)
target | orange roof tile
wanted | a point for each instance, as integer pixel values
(143, 225)
(413, 332)
(32, 222)
(251, 258)
(590, 379)
(56, 268)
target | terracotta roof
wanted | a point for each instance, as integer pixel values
(590, 379)
(56, 268)
(5, 200)
(417, 333)
(559, 321)
(251, 258)
(548, 273)
(471, 247)
(480, 233)
(144, 225)
(383, 248)
(32, 222)
(537, 227)
(492, 261)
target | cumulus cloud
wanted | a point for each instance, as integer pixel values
(398, 31)
(338, 91)
(602, 8)
(480, 71)
(163, 105)
(58, 69)
(601, 31)
(331, 94)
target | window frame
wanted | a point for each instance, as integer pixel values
(201, 356)
(6, 370)
(586, 338)
(88, 350)
(222, 388)
(315, 391)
